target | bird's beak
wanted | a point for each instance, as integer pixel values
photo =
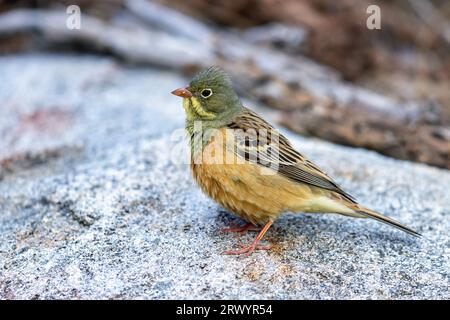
(182, 92)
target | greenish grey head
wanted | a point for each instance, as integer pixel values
(210, 96)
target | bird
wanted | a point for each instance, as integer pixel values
(249, 168)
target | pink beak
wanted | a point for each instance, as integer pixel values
(182, 92)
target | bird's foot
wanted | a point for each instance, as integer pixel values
(245, 228)
(248, 249)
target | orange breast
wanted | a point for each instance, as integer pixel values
(252, 192)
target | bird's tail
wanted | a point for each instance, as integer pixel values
(367, 213)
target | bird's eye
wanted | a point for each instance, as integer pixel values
(206, 93)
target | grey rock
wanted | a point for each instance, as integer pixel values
(98, 205)
(290, 38)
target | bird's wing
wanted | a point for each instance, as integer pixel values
(257, 141)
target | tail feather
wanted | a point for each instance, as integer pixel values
(377, 216)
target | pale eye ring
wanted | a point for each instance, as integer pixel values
(206, 93)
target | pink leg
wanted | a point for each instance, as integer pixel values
(246, 227)
(248, 250)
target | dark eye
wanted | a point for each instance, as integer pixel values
(206, 93)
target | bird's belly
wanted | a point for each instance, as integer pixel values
(252, 192)
(235, 189)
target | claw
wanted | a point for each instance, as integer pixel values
(249, 249)
(257, 247)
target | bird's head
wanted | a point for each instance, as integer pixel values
(210, 97)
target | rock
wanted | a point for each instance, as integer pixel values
(113, 213)
(291, 39)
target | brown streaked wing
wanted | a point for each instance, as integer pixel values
(279, 154)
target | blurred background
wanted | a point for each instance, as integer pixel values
(316, 63)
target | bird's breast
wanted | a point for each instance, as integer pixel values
(249, 190)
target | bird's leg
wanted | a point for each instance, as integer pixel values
(248, 250)
(244, 228)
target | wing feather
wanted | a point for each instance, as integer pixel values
(259, 142)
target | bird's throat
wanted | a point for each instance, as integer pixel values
(201, 124)
(195, 110)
